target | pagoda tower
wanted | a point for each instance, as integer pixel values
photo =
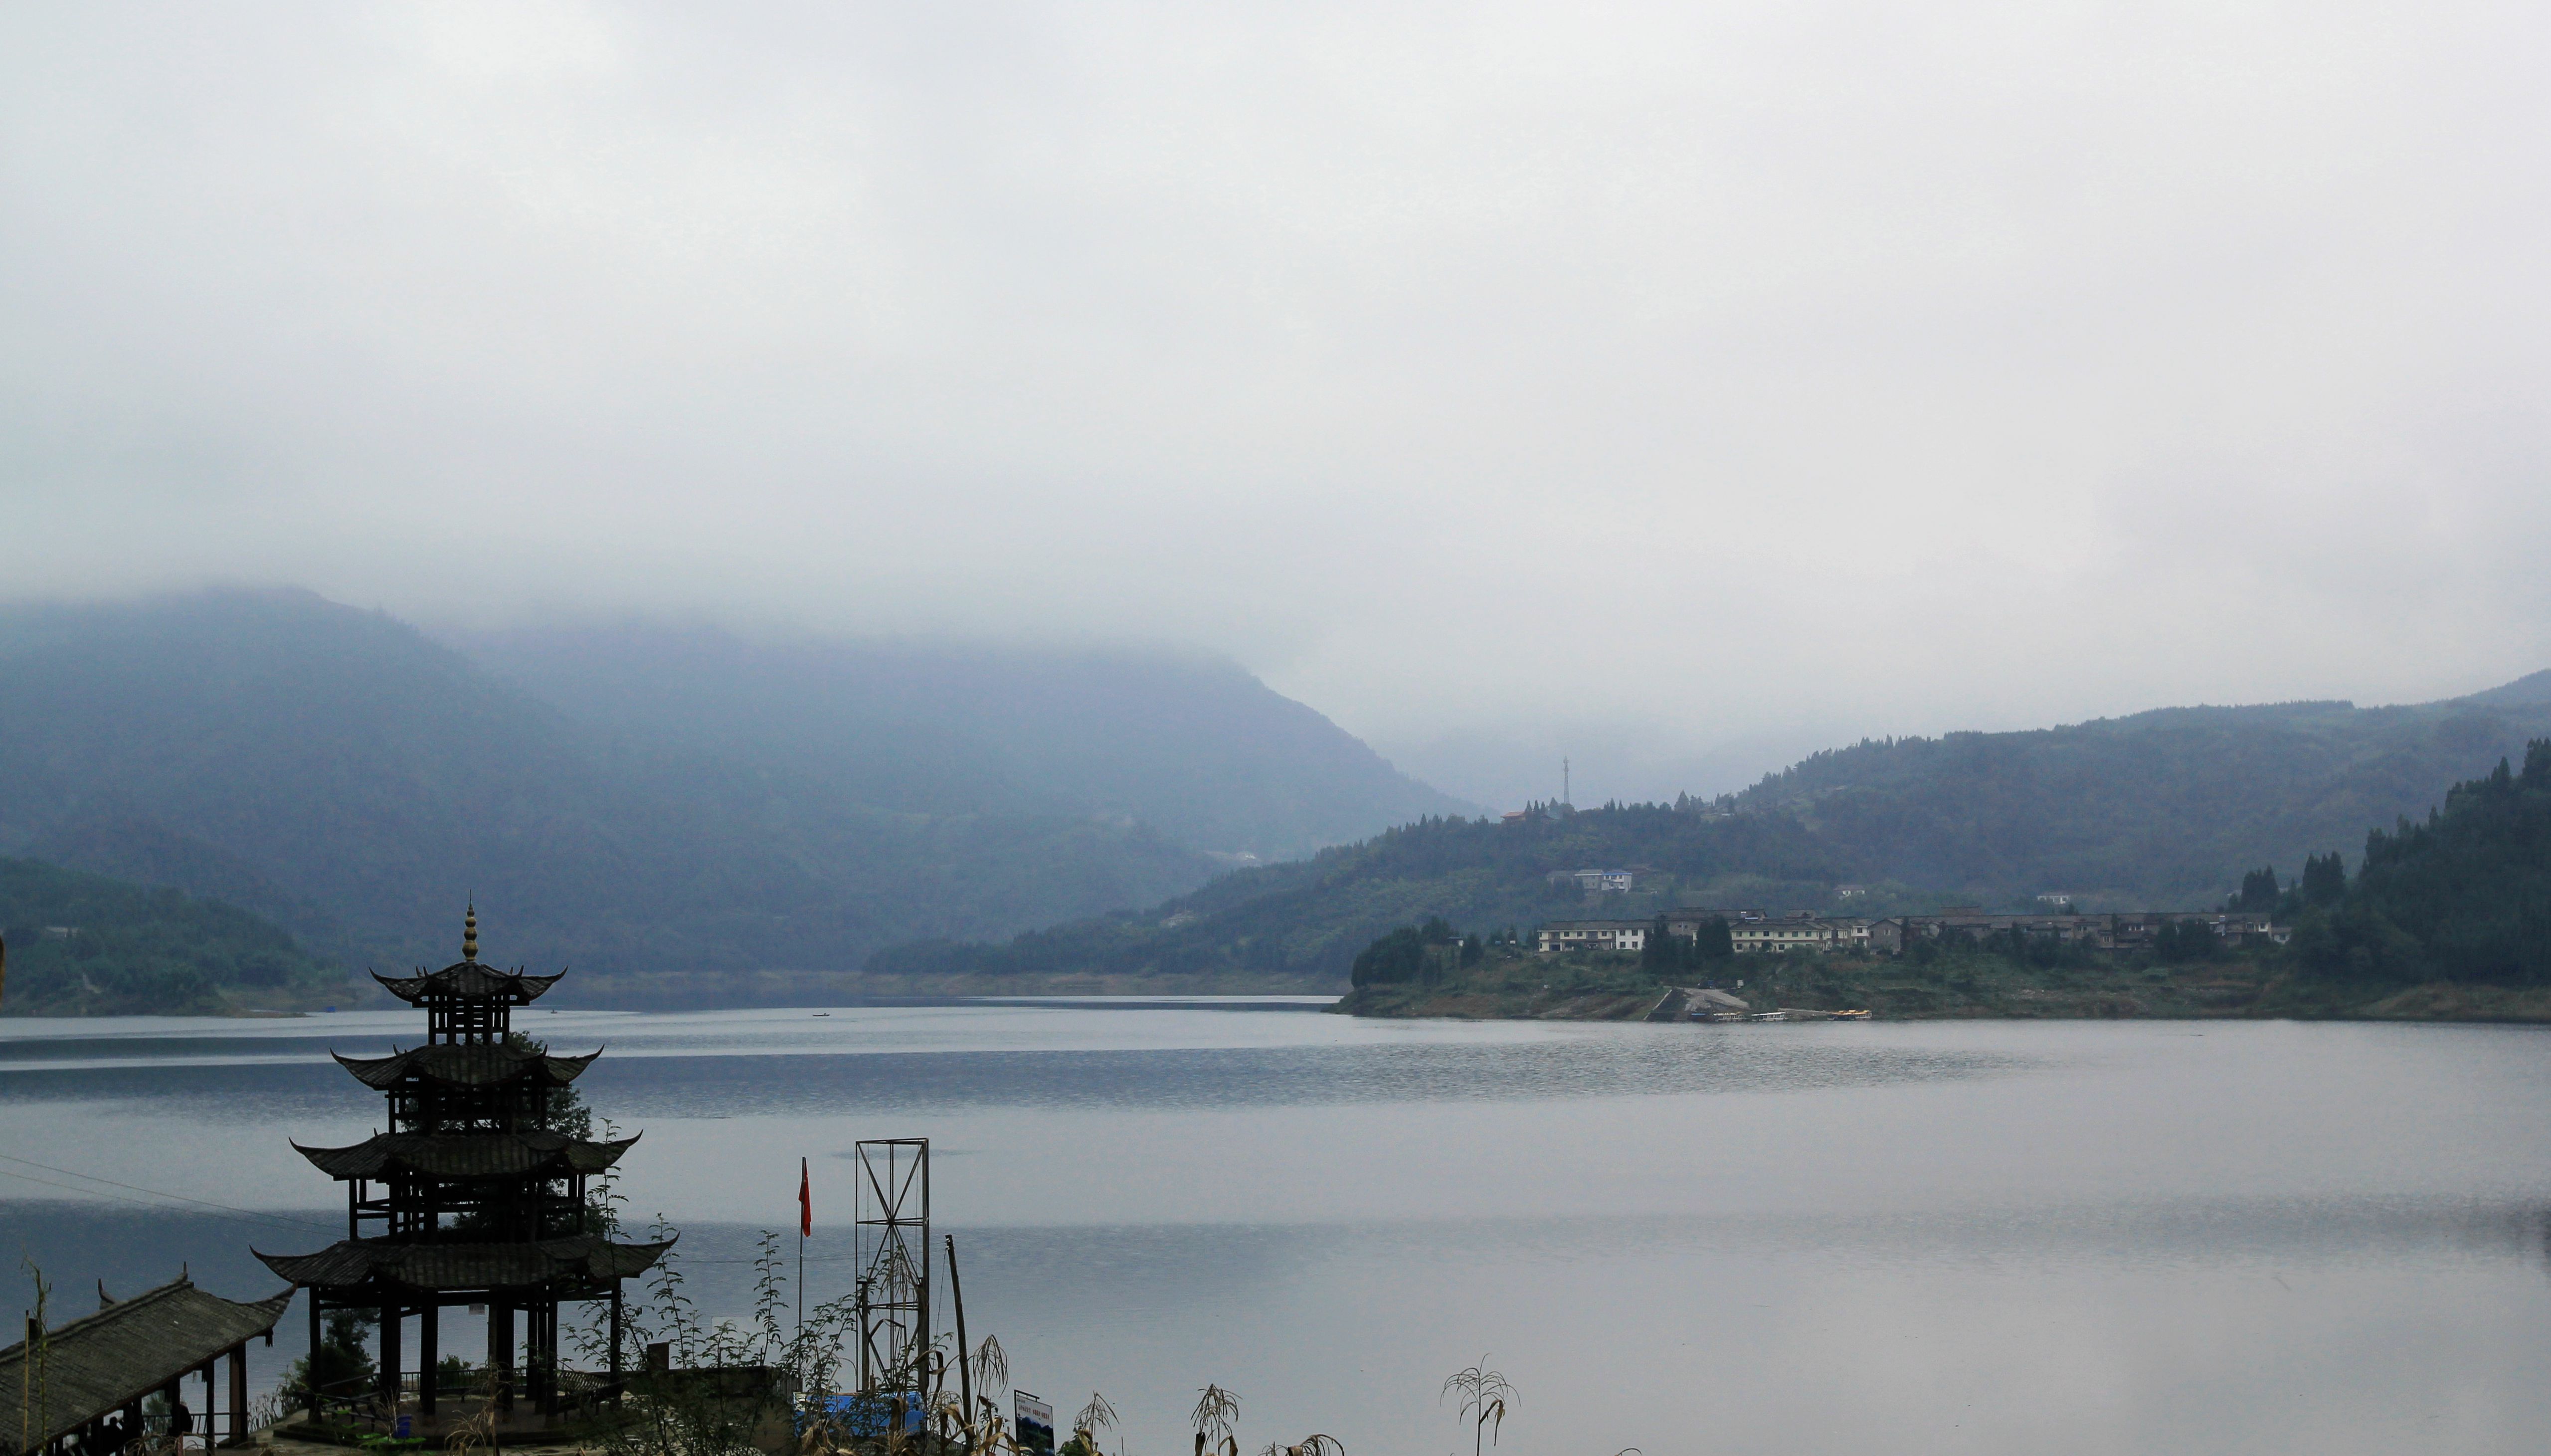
(473, 1196)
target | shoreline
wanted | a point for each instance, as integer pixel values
(1893, 991)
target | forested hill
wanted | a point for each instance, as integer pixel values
(1303, 923)
(339, 773)
(2464, 895)
(2161, 808)
(88, 943)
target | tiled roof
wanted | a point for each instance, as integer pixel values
(566, 1266)
(466, 1065)
(466, 1154)
(106, 1361)
(468, 978)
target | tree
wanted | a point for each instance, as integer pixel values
(2324, 881)
(2187, 940)
(342, 1362)
(2258, 892)
(1713, 941)
(1395, 959)
(1662, 952)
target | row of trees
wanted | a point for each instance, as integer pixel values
(2324, 883)
(1417, 954)
(2463, 896)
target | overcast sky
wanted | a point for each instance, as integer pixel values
(1680, 375)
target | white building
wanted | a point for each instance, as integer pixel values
(1594, 935)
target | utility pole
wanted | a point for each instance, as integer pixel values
(1564, 791)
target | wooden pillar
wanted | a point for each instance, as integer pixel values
(390, 1356)
(615, 1341)
(428, 1354)
(211, 1432)
(535, 1333)
(239, 1394)
(313, 1365)
(500, 1350)
(550, 1349)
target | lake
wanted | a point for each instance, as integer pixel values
(1939, 1237)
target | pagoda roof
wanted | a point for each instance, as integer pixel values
(466, 1154)
(467, 980)
(466, 1064)
(576, 1262)
(130, 1348)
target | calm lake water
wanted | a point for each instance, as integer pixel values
(1974, 1237)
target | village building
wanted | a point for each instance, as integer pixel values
(1598, 882)
(1796, 935)
(1594, 935)
(1754, 932)
(2121, 930)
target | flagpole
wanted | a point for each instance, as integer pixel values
(805, 1216)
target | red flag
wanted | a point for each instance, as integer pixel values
(805, 1202)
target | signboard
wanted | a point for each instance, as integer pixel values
(876, 1413)
(1033, 1425)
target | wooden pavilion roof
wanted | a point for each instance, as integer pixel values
(466, 1154)
(571, 1267)
(103, 1362)
(467, 980)
(465, 1064)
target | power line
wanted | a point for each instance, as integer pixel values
(138, 1188)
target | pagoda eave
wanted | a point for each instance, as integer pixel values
(448, 1065)
(581, 1265)
(467, 1157)
(468, 980)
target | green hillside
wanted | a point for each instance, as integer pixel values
(2164, 807)
(2463, 896)
(85, 944)
(1303, 923)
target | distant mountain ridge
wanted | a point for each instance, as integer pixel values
(2167, 806)
(2164, 809)
(1194, 747)
(340, 773)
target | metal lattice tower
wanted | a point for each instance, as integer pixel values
(893, 1255)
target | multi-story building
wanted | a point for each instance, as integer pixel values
(1798, 934)
(2121, 930)
(1594, 935)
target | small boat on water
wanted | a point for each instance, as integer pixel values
(1859, 1015)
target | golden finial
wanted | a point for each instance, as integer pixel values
(470, 934)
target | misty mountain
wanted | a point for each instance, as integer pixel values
(1193, 746)
(2164, 808)
(2161, 810)
(337, 771)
